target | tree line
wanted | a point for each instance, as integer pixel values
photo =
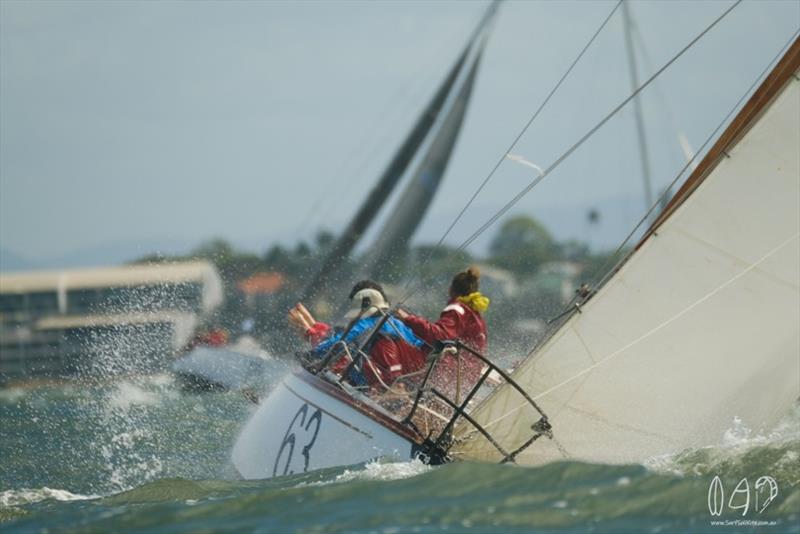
(521, 247)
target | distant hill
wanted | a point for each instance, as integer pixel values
(105, 254)
(96, 256)
(117, 253)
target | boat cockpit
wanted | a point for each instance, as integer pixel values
(419, 405)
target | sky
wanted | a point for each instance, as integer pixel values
(135, 127)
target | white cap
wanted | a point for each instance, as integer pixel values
(368, 302)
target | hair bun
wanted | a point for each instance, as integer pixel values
(465, 282)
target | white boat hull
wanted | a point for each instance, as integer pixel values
(303, 425)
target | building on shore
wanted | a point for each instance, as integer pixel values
(116, 320)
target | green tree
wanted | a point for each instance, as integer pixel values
(216, 249)
(522, 245)
(440, 260)
(324, 241)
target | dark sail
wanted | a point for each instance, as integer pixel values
(329, 272)
(406, 216)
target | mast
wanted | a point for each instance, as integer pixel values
(330, 271)
(637, 105)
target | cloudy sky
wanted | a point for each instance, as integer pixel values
(132, 126)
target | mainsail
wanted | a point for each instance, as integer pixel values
(698, 327)
(418, 194)
(422, 131)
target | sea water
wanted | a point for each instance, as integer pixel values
(138, 454)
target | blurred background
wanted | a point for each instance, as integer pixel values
(175, 174)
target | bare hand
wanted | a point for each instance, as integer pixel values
(299, 318)
(305, 313)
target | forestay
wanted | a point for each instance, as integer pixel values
(698, 327)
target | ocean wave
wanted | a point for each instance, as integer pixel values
(741, 452)
(385, 471)
(21, 497)
(377, 470)
(127, 394)
(12, 395)
(407, 496)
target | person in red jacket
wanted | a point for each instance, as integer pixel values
(460, 320)
(395, 351)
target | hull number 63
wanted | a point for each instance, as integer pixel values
(304, 429)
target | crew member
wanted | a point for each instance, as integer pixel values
(460, 320)
(395, 351)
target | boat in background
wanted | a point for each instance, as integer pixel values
(422, 159)
(62, 323)
(236, 366)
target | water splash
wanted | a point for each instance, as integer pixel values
(385, 471)
(742, 451)
(25, 496)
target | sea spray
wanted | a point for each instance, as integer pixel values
(121, 420)
(192, 444)
(136, 453)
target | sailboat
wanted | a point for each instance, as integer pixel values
(697, 326)
(316, 407)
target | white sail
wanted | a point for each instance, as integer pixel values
(700, 325)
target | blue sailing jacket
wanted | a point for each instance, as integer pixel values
(393, 328)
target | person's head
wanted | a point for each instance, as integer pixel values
(465, 282)
(368, 297)
(367, 284)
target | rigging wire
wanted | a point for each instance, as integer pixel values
(736, 106)
(683, 141)
(652, 331)
(511, 146)
(502, 211)
(606, 267)
(614, 261)
(677, 316)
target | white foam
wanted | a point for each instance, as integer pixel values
(162, 380)
(29, 496)
(378, 471)
(385, 471)
(11, 395)
(736, 440)
(128, 394)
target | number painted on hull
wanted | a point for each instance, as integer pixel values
(290, 440)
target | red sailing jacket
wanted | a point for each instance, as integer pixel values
(458, 321)
(390, 357)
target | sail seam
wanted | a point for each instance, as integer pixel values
(627, 428)
(675, 317)
(649, 333)
(725, 253)
(585, 346)
(607, 271)
(569, 399)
